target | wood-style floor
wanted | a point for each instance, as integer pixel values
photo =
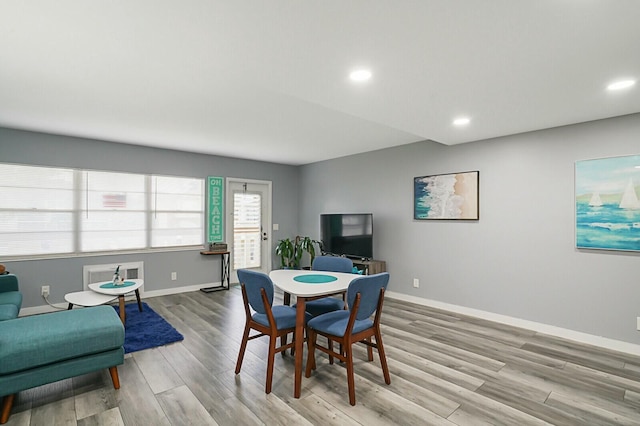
(446, 369)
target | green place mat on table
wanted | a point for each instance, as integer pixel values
(112, 285)
(314, 278)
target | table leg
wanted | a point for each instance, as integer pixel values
(224, 276)
(287, 299)
(300, 314)
(121, 304)
(138, 298)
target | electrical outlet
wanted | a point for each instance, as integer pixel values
(174, 276)
(45, 291)
(416, 283)
(638, 323)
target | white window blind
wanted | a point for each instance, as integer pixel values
(246, 230)
(36, 210)
(46, 210)
(113, 211)
(178, 211)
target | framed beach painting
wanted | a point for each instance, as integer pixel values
(448, 196)
(607, 205)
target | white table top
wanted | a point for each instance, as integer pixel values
(284, 279)
(116, 291)
(88, 298)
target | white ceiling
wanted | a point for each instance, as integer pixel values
(268, 80)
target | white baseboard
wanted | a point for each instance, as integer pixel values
(154, 293)
(577, 336)
(603, 342)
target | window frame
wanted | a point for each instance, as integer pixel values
(78, 210)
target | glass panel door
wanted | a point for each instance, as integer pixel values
(249, 224)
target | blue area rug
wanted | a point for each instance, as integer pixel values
(146, 329)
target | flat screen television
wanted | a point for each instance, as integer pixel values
(349, 235)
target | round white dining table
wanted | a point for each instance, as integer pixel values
(307, 285)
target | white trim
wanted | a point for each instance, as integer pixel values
(603, 342)
(42, 309)
(577, 336)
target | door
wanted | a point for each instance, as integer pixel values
(249, 225)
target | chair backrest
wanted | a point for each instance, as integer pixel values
(253, 281)
(332, 264)
(8, 282)
(369, 288)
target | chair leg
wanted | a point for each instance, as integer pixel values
(311, 352)
(270, 362)
(243, 346)
(369, 349)
(350, 379)
(330, 347)
(383, 358)
(6, 408)
(283, 341)
(115, 379)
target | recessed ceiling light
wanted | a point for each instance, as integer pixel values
(360, 75)
(462, 121)
(622, 84)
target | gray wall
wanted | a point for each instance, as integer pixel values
(520, 258)
(65, 275)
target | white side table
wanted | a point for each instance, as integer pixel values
(87, 298)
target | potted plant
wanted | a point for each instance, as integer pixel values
(291, 251)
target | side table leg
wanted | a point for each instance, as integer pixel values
(121, 304)
(138, 298)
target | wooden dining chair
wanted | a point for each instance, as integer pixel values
(266, 319)
(365, 296)
(329, 264)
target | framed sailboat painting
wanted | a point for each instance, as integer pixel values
(607, 203)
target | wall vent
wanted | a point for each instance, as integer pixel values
(97, 273)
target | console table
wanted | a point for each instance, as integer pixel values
(370, 267)
(224, 273)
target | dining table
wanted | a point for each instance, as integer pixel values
(307, 285)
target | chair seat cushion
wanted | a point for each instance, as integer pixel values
(11, 298)
(8, 312)
(285, 317)
(335, 323)
(39, 340)
(324, 305)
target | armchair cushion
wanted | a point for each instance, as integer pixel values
(11, 298)
(39, 340)
(8, 312)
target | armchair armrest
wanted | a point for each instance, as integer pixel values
(8, 282)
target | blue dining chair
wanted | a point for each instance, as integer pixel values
(365, 296)
(267, 320)
(330, 264)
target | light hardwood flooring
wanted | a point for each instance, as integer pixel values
(446, 369)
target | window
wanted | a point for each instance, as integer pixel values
(47, 210)
(246, 230)
(113, 211)
(36, 210)
(178, 205)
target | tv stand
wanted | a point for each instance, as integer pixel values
(370, 267)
